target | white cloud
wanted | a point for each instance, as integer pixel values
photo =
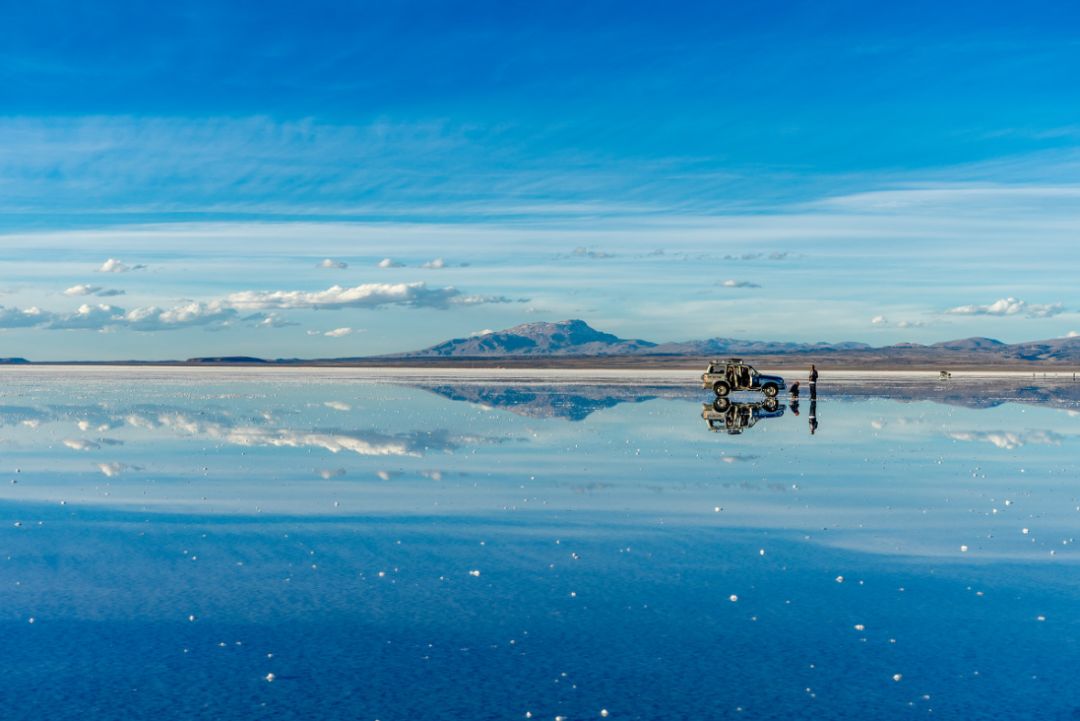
(479, 333)
(111, 469)
(86, 317)
(85, 289)
(190, 314)
(23, 317)
(910, 324)
(368, 295)
(112, 265)
(1010, 306)
(330, 263)
(775, 255)
(78, 444)
(390, 263)
(1009, 440)
(739, 284)
(435, 264)
(339, 332)
(879, 320)
(267, 320)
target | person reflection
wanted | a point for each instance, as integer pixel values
(794, 406)
(813, 416)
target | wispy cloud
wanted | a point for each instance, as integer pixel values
(730, 283)
(330, 263)
(246, 307)
(368, 295)
(84, 289)
(775, 255)
(1010, 306)
(112, 265)
(339, 332)
(390, 263)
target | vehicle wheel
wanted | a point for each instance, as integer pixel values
(770, 390)
(771, 404)
(721, 388)
(720, 405)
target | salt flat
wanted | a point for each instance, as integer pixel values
(295, 542)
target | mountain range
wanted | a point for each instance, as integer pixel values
(578, 338)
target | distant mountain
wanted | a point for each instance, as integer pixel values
(576, 338)
(970, 344)
(215, 360)
(567, 337)
(732, 346)
(13, 361)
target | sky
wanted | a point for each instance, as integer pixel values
(337, 179)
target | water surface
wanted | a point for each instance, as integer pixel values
(353, 545)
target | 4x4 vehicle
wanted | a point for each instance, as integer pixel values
(734, 418)
(725, 376)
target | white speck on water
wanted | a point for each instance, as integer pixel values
(474, 573)
(897, 676)
(1025, 531)
(733, 598)
(839, 579)
(270, 677)
(1037, 618)
(604, 712)
(963, 549)
(191, 618)
(860, 627)
(761, 551)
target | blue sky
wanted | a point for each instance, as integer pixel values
(802, 171)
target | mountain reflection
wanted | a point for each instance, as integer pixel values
(568, 402)
(577, 401)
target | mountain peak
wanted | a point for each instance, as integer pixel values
(564, 337)
(974, 343)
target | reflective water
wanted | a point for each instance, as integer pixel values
(344, 545)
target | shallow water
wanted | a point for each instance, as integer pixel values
(392, 548)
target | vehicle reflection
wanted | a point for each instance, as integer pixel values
(734, 417)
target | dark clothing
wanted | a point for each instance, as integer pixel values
(813, 376)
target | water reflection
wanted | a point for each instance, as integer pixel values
(170, 545)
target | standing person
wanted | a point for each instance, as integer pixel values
(813, 381)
